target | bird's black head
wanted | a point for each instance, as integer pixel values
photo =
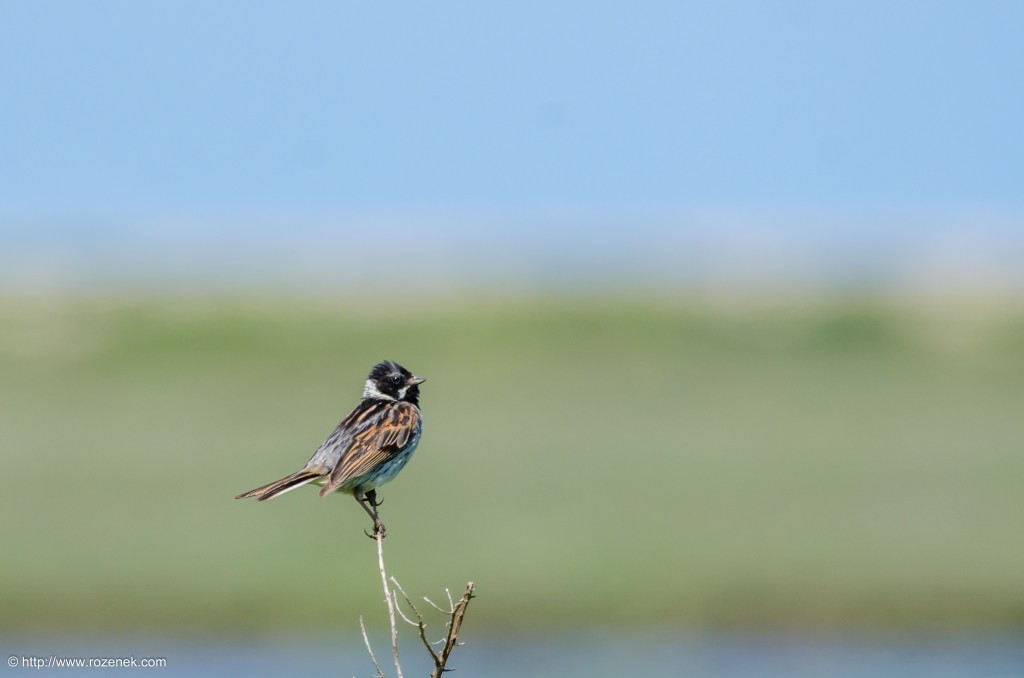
(390, 381)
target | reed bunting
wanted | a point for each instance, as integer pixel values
(368, 448)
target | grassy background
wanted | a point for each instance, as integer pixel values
(846, 464)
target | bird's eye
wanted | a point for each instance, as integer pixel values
(395, 379)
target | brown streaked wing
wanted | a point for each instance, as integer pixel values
(375, 445)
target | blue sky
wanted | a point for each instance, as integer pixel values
(865, 115)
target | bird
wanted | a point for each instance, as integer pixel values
(368, 448)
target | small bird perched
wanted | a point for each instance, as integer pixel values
(368, 448)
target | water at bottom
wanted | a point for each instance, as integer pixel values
(554, 654)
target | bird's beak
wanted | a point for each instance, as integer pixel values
(416, 380)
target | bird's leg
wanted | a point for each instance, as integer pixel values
(369, 502)
(378, 526)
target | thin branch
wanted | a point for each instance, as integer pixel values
(458, 614)
(418, 623)
(438, 607)
(366, 639)
(387, 596)
(398, 608)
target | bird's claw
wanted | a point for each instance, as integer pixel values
(378, 531)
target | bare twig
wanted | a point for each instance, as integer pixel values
(387, 596)
(418, 623)
(458, 614)
(366, 639)
(438, 607)
(398, 608)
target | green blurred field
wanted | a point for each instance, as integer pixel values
(787, 465)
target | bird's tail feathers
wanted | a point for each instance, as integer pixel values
(271, 490)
